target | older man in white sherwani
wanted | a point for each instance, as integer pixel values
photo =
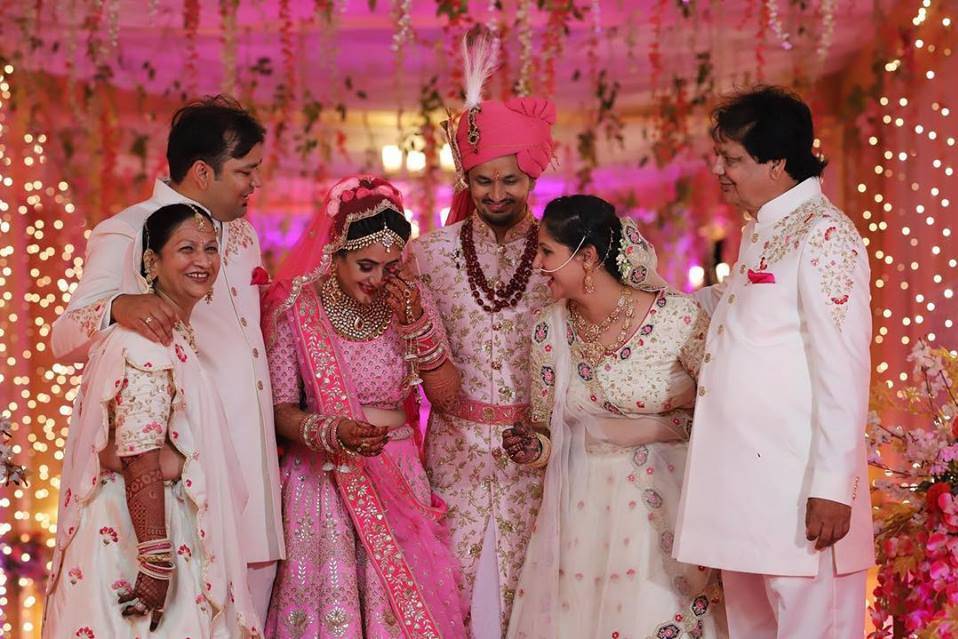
(776, 486)
(214, 152)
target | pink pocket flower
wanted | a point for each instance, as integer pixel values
(761, 277)
(260, 276)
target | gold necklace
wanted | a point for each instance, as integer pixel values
(181, 324)
(589, 333)
(352, 320)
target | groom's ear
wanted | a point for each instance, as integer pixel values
(201, 175)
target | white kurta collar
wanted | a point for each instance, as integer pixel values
(774, 210)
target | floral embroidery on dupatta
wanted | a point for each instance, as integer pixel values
(542, 370)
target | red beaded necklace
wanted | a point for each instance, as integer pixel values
(499, 297)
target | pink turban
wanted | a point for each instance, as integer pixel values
(519, 126)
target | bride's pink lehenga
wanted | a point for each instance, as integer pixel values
(368, 555)
(366, 550)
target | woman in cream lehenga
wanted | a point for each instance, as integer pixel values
(349, 336)
(614, 363)
(151, 493)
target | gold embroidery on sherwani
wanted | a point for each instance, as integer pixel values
(789, 232)
(832, 247)
(240, 234)
(88, 317)
(464, 459)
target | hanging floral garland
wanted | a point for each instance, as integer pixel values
(631, 40)
(92, 26)
(286, 90)
(113, 23)
(524, 32)
(191, 25)
(828, 29)
(760, 36)
(325, 9)
(492, 14)
(404, 33)
(553, 39)
(775, 21)
(655, 47)
(228, 10)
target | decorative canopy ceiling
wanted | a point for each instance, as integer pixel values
(337, 80)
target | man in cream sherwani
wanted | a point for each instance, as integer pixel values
(776, 486)
(214, 152)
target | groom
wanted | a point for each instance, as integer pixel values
(214, 152)
(776, 485)
(479, 270)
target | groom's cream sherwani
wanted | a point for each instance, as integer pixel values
(783, 396)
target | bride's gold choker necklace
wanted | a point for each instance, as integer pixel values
(352, 320)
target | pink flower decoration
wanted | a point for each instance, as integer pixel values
(760, 277)
(259, 277)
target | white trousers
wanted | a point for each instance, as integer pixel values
(828, 606)
(259, 579)
(486, 615)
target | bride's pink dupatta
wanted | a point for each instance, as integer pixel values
(404, 539)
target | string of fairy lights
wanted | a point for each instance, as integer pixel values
(903, 196)
(39, 265)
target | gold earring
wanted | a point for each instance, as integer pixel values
(587, 282)
(150, 278)
(209, 296)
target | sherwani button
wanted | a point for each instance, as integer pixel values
(233, 290)
(720, 329)
(702, 391)
(255, 352)
(708, 358)
(243, 321)
(754, 238)
(731, 298)
(259, 385)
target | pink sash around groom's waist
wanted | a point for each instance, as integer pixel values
(492, 414)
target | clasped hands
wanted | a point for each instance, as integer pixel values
(362, 438)
(521, 444)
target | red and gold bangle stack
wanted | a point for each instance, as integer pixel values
(155, 559)
(430, 351)
(321, 432)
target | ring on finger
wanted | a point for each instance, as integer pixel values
(148, 319)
